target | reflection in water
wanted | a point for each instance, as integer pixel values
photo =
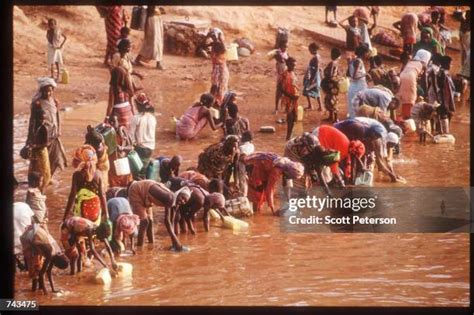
(264, 266)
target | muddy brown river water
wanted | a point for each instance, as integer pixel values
(264, 266)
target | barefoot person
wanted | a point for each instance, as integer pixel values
(350, 152)
(265, 171)
(45, 100)
(152, 48)
(87, 196)
(195, 118)
(290, 94)
(56, 40)
(145, 194)
(357, 75)
(124, 224)
(330, 86)
(39, 160)
(121, 92)
(115, 18)
(408, 27)
(281, 56)
(312, 78)
(42, 253)
(407, 92)
(76, 232)
(220, 72)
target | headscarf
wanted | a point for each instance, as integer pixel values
(393, 138)
(43, 82)
(433, 44)
(46, 81)
(85, 158)
(357, 150)
(127, 224)
(422, 55)
(292, 170)
(182, 191)
(142, 99)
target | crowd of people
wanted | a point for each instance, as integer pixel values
(113, 206)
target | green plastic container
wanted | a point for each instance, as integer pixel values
(110, 137)
(136, 163)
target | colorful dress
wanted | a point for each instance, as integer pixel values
(191, 123)
(263, 178)
(122, 87)
(312, 78)
(408, 86)
(113, 24)
(289, 85)
(219, 76)
(330, 86)
(213, 162)
(358, 83)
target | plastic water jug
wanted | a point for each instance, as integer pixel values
(103, 276)
(366, 179)
(235, 224)
(64, 76)
(444, 139)
(410, 124)
(124, 269)
(214, 215)
(173, 121)
(153, 170)
(122, 166)
(231, 52)
(344, 85)
(300, 113)
(136, 163)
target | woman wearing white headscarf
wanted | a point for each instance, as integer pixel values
(143, 195)
(409, 79)
(45, 101)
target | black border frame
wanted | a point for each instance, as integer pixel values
(6, 168)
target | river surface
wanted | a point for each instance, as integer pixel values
(265, 266)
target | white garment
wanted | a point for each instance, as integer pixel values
(152, 48)
(142, 129)
(22, 214)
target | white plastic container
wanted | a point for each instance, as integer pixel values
(366, 179)
(214, 215)
(300, 113)
(103, 277)
(232, 53)
(267, 129)
(410, 125)
(124, 269)
(444, 139)
(122, 166)
(235, 224)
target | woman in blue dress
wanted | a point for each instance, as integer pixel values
(312, 78)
